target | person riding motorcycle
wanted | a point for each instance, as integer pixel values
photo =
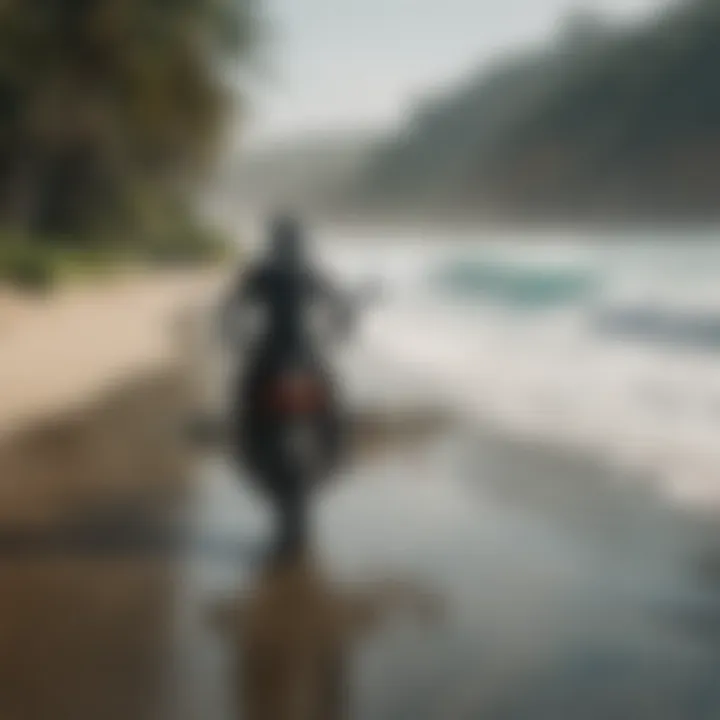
(285, 286)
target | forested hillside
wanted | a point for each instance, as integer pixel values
(602, 122)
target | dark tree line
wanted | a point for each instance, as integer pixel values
(605, 121)
(112, 110)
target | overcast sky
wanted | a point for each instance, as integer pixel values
(344, 64)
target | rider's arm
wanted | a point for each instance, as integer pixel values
(343, 310)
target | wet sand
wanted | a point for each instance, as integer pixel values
(94, 393)
(96, 383)
(119, 454)
(97, 500)
(83, 639)
(546, 609)
(579, 606)
(567, 591)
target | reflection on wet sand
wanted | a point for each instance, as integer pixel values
(292, 637)
(122, 454)
(86, 592)
(83, 640)
(572, 594)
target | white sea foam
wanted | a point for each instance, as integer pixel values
(648, 405)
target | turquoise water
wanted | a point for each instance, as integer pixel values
(670, 299)
(514, 284)
(652, 293)
(608, 343)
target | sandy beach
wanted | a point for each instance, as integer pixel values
(546, 561)
(63, 351)
(94, 382)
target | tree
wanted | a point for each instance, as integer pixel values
(104, 103)
(582, 26)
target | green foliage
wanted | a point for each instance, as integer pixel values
(188, 244)
(26, 266)
(102, 99)
(41, 264)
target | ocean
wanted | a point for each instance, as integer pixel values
(562, 516)
(607, 344)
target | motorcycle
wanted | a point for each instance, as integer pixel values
(289, 427)
(288, 435)
(286, 427)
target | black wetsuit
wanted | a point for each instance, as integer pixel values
(284, 291)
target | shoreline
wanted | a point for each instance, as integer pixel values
(60, 352)
(96, 382)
